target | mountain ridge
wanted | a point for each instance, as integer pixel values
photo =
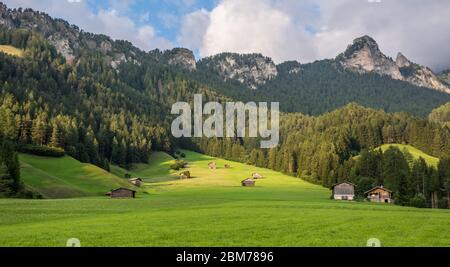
(311, 88)
(365, 56)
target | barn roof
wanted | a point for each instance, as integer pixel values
(333, 186)
(122, 188)
(378, 187)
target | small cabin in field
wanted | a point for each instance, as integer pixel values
(248, 182)
(185, 175)
(122, 193)
(212, 166)
(257, 176)
(343, 191)
(227, 166)
(380, 194)
(136, 181)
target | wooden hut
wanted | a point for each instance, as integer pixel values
(122, 193)
(380, 194)
(212, 166)
(343, 191)
(185, 175)
(257, 176)
(227, 166)
(136, 181)
(248, 182)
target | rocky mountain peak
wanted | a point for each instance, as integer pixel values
(364, 56)
(419, 75)
(402, 61)
(252, 70)
(181, 57)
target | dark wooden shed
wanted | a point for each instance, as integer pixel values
(136, 181)
(380, 194)
(343, 191)
(248, 182)
(122, 193)
(212, 166)
(256, 176)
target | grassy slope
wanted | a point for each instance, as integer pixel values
(157, 170)
(66, 177)
(11, 50)
(214, 210)
(416, 153)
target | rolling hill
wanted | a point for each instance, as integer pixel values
(158, 168)
(416, 153)
(212, 209)
(66, 177)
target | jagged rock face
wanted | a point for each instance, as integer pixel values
(251, 70)
(402, 61)
(5, 20)
(365, 56)
(181, 57)
(63, 47)
(419, 75)
(445, 77)
(118, 59)
(66, 38)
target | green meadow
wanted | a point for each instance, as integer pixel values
(212, 209)
(416, 153)
(66, 177)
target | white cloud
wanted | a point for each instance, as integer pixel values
(255, 26)
(110, 22)
(193, 29)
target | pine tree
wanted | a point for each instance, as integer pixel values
(444, 175)
(55, 140)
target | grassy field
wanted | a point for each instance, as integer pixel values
(416, 153)
(66, 177)
(212, 209)
(157, 170)
(11, 50)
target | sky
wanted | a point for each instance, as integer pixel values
(302, 30)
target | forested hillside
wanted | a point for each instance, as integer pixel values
(95, 113)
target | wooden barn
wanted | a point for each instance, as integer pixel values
(136, 181)
(380, 194)
(122, 193)
(248, 182)
(343, 191)
(185, 175)
(257, 176)
(212, 166)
